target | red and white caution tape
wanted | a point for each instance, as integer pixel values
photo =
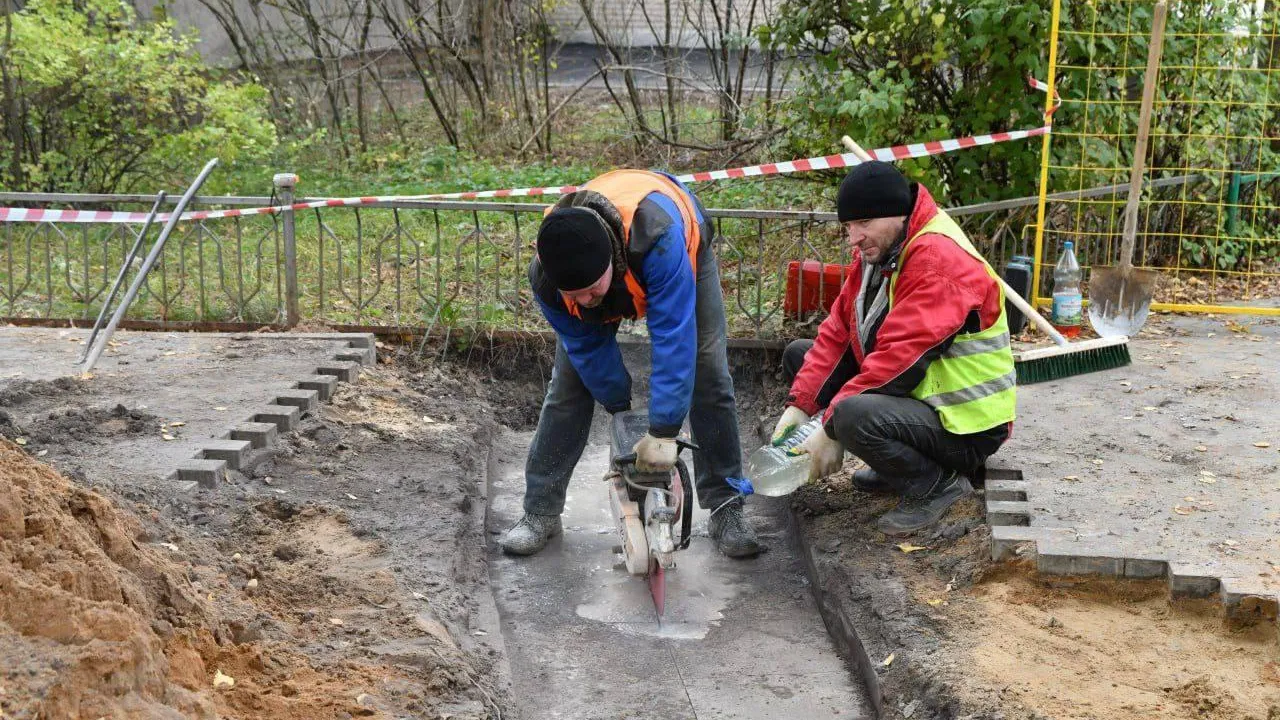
(1044, 88)
(825, 162)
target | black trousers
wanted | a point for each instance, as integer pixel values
(901, 438)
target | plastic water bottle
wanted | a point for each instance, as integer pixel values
(773, 472)
(1068, 303)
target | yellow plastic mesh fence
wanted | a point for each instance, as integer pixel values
(1209, 216)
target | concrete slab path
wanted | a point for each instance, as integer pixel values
(740, 639)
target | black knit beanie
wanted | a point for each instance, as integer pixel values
(574, 247)
(874, 189)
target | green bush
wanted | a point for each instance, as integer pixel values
(95, 101)
(916, 71)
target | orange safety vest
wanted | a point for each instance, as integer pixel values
(625, 189)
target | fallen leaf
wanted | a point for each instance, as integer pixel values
(1189, 498)
(167, 436)
(42, 453)
(479, 633)
(177, 423)
(219, 408)
(1181, 510)
(1206, 473)
(86, 376)
(1263, 444)
(171, 352)
(1097, 461)
(1072, 478)
(1208, 480)
(1201, 448)
(909, 548)
(1149, 408)
(935, 602)
(223, 681)
(887, 661)
(336, 621)
(21, 441)
(352, 497)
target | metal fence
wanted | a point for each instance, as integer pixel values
(416, 267)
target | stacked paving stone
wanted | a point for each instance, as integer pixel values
(1009, 515)
(261, 429)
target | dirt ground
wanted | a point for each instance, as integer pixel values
(341, 575)
(98, 618)
(957, 637)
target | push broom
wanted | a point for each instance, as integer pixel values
(1050, 363)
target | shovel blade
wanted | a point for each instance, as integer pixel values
(1120, 300)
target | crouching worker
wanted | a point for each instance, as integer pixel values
(633, 244)
(912, 371)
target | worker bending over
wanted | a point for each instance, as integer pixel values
(633, 244)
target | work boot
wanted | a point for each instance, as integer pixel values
(531, 534)
(732, 533)
(870, 481)
(917, 513)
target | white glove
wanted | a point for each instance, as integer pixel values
(792, 418)
(826, 455)
(655, 454)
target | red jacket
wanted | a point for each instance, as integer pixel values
(941, 291)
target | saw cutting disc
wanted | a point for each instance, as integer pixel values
(658, 585)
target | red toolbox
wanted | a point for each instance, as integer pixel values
(818, 291)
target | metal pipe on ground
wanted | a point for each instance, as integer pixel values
(124, 270)
(96, 352)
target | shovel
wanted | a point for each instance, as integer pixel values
(1120, 296)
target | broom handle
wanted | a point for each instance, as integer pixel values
(1010, 294)
(1144, 129)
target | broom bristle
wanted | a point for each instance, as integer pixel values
(1072, 362)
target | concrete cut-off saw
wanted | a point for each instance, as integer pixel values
(653, 511)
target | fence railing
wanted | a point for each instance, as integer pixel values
(414, 266)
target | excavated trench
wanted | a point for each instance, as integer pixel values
(739, 638)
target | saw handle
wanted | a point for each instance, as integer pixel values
(630, 458)
(1010, 294)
